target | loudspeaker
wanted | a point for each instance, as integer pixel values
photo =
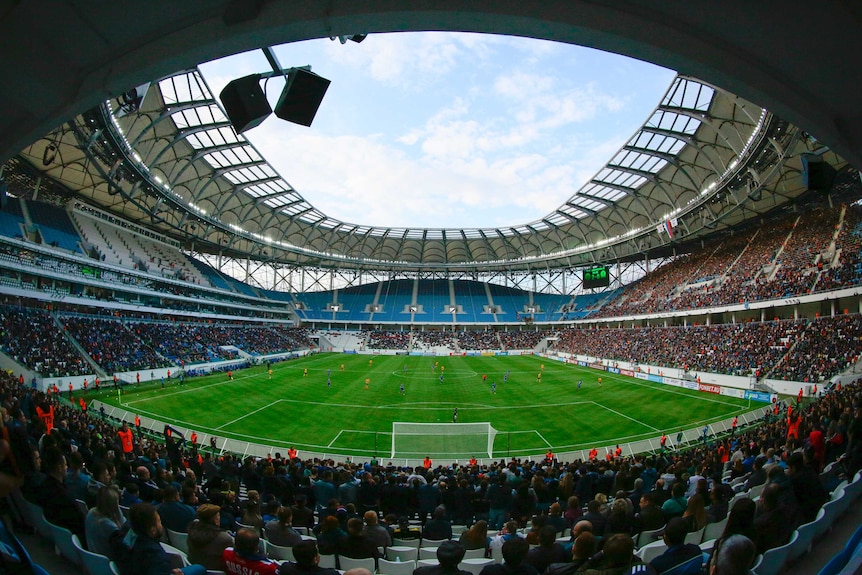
(817, 174)
(245, 103)
(301, 97)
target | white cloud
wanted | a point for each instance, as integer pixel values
(456, 130)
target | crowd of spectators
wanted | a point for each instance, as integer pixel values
(380, 339)
(612, 499)
(526, 339)
(31, 338)
(478, 340)
(822, 350)
(796, 350)
(434, 338)
(111, 344)
(41, 339)
(783, 258)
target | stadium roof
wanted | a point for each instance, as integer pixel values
(705, 159)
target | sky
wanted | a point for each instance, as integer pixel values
(450, 130)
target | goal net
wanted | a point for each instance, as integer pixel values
(442, 440)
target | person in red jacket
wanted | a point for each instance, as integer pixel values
(125, 435)
(244, 557)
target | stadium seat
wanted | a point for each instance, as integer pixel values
(94, 563)
(474, 554)
(651, 550)
(647, 537)
(406, 543)
(475, 565)
(806, 538)
(348, 563)
(427, 553)
(714, 530)
(385, 567)
(63, 544)
(774, 559)
(432, 542)
(427, 563)
(328, 561)
(278, 552)
(695, 537)
(178, 540)
(177, 557)
(402, 553)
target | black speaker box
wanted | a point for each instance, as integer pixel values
(301, 97)
(817, 174)
(245, 103)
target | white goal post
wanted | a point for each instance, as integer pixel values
(446, 440)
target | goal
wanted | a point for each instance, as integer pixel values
(442, 440)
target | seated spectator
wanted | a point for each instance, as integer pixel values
(514, 552)
(548, 550)
(555, 518)
(251, 512)
(584, 548)
(207, 540)
(245, 557)
(573, 510)
(677, 504)
(740, 521)
(616, 557)
(438, 527)
(476, 537)
(405, 531)
(509, 531)
(175, 516)
(355, 544)
(375, 532)
(595, 517)
(449, 555)
(306, 559)
(329, 535)
(695, 513)
(141, 552)
(680, 557)
(718, 505)
(280, 531)
(772, 526)
(103, 521)
(650, 517)
(56, 502)
(735, 556)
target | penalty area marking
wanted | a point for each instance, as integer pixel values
(624, 415)
(241, 417)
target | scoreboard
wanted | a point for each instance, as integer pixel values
(596, 277)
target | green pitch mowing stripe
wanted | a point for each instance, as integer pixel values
(299, 409)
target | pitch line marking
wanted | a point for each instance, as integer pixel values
(626, 416)
(270, 404)
(542, 437)
(334, 439)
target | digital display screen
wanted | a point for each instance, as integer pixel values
(596, 277)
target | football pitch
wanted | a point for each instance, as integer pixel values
(345, 417)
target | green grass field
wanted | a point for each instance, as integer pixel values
(348, 419)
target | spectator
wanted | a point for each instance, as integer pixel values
(514, 553)
(306, 559)
(449, 555)
(207, 540)
(245, 556)
(678, 551)
(141, 553)
(103, 521)
(280, 531)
